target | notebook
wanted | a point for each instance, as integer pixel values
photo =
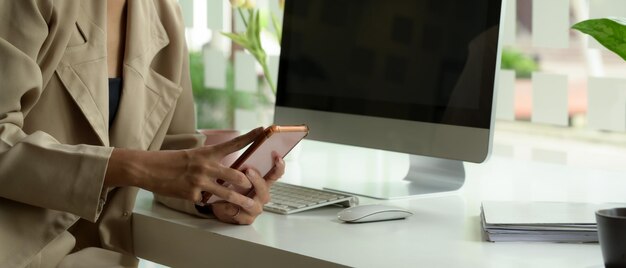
(541, 221)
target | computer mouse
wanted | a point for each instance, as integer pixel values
(369, 213)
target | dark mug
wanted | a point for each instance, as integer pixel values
(612, 236)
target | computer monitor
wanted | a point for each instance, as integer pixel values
(411, 76)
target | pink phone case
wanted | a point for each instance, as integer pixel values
(279, 139)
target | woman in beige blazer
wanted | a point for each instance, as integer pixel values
(68, 173)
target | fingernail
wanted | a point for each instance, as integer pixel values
(249, 203)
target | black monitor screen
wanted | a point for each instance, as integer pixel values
(420, 60)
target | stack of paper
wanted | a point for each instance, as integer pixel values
(541, 221)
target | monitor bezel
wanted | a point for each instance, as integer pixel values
(449, 140)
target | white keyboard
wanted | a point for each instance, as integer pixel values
(289, 198)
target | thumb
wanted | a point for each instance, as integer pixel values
(238, 143)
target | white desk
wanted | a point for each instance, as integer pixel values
(444, 232)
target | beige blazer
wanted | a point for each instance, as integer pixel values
(54, 136)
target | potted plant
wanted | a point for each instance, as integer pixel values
(254, 20)
(216, 107)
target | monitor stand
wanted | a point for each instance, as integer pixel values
(426, 176)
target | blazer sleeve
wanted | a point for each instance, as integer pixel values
(35, 168)
(182, 132)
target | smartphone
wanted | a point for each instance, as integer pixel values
(279, 139)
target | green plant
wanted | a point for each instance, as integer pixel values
(523, 65)
(255, 22)
(215, 107)
(610, 32)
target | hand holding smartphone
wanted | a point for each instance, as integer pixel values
(279, 139)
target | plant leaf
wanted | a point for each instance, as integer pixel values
(610, 32)
(252, 28)
(239, 39)
(277, 27)
(257, 31)
(252, 33)
(264, 18)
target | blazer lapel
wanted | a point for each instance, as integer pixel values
(147, 96)
(83, 72)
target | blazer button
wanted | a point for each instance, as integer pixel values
(125, 214)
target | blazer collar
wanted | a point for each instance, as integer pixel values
(83, 70)
(147, 97)
(145, 34)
